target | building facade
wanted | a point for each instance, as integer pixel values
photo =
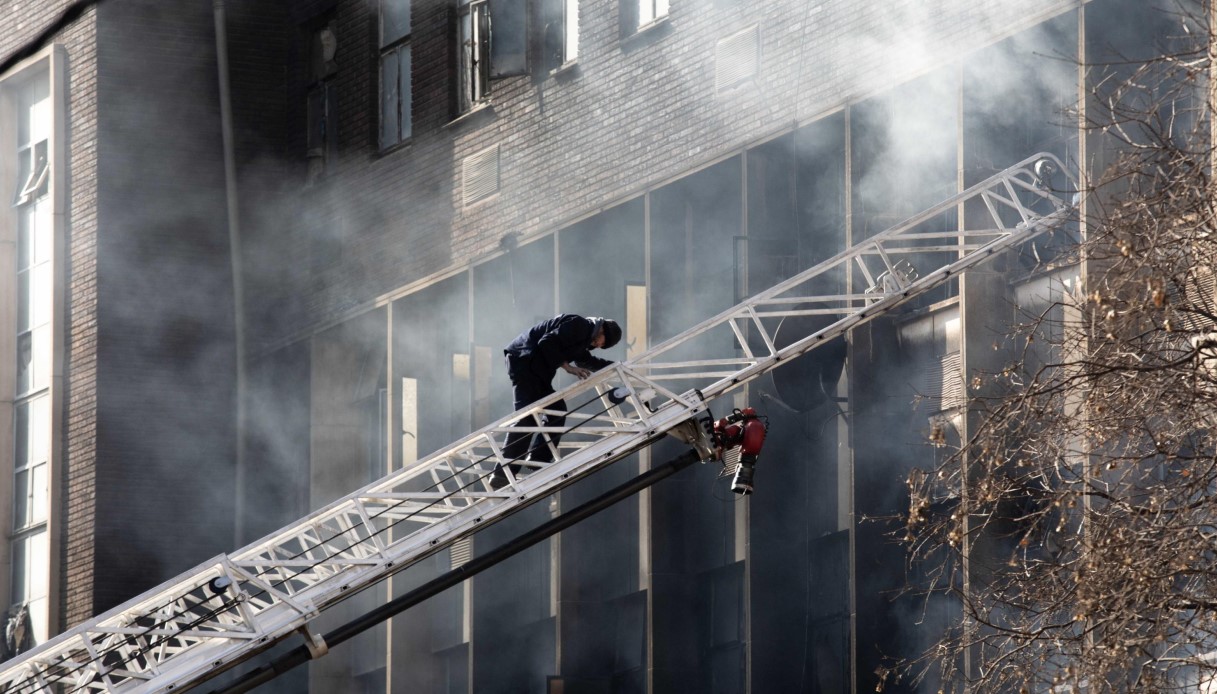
(117, 349)
(417, 181)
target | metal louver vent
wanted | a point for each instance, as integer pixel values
(480, 175)
(731, 460)
(941, 380)
(736, 58)
(462, 552)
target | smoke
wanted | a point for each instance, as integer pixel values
(319, 254)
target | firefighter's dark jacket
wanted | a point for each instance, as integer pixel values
(546, 346)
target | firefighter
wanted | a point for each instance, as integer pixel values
(533, 358)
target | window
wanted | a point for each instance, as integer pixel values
(635, 15)
(561, 39)
(473, 51)
(650, 10)
(481, 57)
(322, 140)
(396, 122)
(570, 21)
(33, 220)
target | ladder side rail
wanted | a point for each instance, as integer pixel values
(1020, 174)
(541, 482)
(889, 302)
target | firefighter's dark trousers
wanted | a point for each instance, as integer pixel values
(527, 387)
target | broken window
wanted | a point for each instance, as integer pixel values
(491, 43)
(322, 135)
(396, 122)
(473, 46)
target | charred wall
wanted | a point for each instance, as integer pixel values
(164, 420)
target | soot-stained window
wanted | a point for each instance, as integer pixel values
(396, 123)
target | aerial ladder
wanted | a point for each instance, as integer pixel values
(233, 606)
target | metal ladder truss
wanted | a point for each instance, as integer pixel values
(229, 608)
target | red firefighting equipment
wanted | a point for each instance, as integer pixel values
(746, 430)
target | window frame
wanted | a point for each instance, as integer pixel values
(560, 35)
(657, 11)
(34, 177)
(398, 49)
(570, 8)
(321, 135)
(472, 46)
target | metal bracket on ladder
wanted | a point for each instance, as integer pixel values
(183, 632)
(315, 644)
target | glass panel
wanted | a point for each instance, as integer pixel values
(34, 116)
(572, 30)
(36, 297)
(21, 570)
(508, 47)
(316, 122)
(25, 365)
(465, 37)
(25, 164)
(39, 359)
(26, 240)
(646, 12)
(388, 100)
(33, 177)
(31, 562)
(30, 497)
(23, 301)
(39, 494)
(22, 442)
(33, 431)
(38, 619)
(41, 231)
(394, 20)
(21, 499)
(407, 120)
(39, 564)
(34, 234)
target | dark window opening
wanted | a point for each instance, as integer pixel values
(396, 122)
(321, 140)
(492, 38)
(473, 46)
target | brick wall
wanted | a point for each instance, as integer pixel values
(634, 113)
(81, 344)
(23, 20)
(165, 416)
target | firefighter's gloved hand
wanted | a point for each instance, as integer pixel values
(576, 371)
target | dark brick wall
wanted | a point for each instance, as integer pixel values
(81, 366)
(147, 444)
(165, 415)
